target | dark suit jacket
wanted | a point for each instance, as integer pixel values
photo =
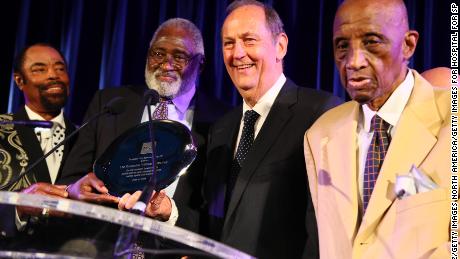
(270, 214)
(20, 147)
(93, 141)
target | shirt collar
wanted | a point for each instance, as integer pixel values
(392, 109)
(35, 116)
(265, 103)
(182, 101)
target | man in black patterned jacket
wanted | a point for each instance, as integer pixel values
(40, 72)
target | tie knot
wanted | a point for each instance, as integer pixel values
(56, 126)
(165, 101)
(378, 124)
(250, 117)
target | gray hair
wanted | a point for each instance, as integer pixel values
(272, 19)
(186, 25)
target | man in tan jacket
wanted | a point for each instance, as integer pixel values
(355, 151)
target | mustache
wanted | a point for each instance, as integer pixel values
(167, 73)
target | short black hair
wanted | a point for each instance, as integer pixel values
(18, 61)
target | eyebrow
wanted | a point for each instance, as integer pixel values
(173, 51)
(370, 34)
(367, 34)
(338, 39)
(246, 34)
(40, 64)
(243, 35)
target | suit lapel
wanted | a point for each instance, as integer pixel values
(220, 155)
(32, 147)
(415, 135)
(277, 119)
(341, 150)
(133, 113)
(69, 128)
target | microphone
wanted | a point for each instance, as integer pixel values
(115, 106)
(29, 123)
(151, 97)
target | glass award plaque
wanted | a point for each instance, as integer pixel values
(126, 165)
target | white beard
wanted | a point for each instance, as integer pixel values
(164, 89)
(173, 89)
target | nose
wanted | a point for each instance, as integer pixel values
(356, 59)
(168, 63)
(239, 51)
(52, 73)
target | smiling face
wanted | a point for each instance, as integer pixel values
(372, 45)
(252, 58)
(44, 80)
(179, 68)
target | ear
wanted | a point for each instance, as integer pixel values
(281, 46)
(409, 44)
(201, 64)
(19, 80)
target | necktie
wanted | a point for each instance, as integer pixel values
(375, 156)
(245, 144)
(161, 112)
(58, 136)
(49, 138)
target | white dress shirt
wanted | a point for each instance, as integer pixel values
(390, 112)
(53, 162)
(179, 110)
(262, 107)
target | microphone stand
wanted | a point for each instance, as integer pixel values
(141, 205)
(29, 123)
(34, 164)
(127, 237)
(114, 106)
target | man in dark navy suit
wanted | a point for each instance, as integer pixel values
(256, 184)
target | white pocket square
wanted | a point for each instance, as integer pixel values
(415, 181)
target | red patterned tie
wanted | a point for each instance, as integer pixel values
(375, 156)
(161, 112)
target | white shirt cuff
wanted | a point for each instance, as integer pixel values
(20, 224)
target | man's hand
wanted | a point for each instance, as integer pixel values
(90, 189)
(159, 206)
(58, 191)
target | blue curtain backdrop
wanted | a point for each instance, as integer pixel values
(105, 41)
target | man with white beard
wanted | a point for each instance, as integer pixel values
(174, 60)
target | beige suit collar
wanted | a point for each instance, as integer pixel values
(414, 137)
(342, 164)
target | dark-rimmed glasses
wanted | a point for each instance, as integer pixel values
(179, 59)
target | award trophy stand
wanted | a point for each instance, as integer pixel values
(125, 167)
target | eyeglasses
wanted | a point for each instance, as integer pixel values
(179, 59)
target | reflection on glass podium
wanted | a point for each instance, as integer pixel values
(90, 231)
